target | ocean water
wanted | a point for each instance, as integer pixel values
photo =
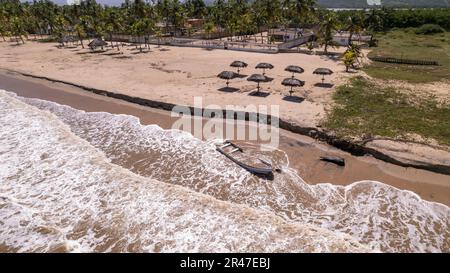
(77, 181)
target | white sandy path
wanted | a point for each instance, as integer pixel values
(179, 74)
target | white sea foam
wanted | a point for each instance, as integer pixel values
(59, 193)
(375, 214)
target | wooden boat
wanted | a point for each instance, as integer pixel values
(334, 159)
(252, 164)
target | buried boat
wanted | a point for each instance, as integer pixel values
(252, 164)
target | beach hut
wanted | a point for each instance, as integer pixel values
(323, 72)
(264, 66)
(294, 69)
(292, 82)
(227, 75)
(97, 42)
(238, 65)
(66, 40)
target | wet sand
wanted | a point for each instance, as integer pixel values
(303, 152)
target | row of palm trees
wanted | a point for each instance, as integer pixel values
(236, 18)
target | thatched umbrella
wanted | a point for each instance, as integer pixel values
(323, 72)
(264, 66)
(227, 75)
(66, 40)
(239, 65)
(258, 78)
(294, 69)
(292, 82)
(97, 42)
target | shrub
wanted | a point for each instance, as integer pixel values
(429, 29)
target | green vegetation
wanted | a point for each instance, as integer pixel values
(390, 3)
(88, 19)
(384, 19)
(408, 45)
(365, 109)
(429, 29)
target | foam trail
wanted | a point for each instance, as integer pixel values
(375, 214)
(58, 193)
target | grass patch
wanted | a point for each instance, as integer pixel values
(364, 108)
(409, 45)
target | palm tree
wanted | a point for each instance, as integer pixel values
(113, 23)
(209, 28)
(354, 25)
(17, 29)
(158, 34)
(3, 24)
(349, 59)
(218, 15)
(273, 11)
(373, 21)
(304, 9)
(60, 28)
(259, 17)
(81, 33)
(140, 28)
(328, 25)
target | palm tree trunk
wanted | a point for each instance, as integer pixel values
(262, 37)
(81, 39)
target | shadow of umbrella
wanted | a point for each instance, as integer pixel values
(323, 72)
(295, 99)
(292, 82)
(264, 66)
(227, 75)
(258, 78)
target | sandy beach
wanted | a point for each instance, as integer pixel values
(178, 74)
(303, 151)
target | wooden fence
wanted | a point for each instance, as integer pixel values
(403, 61)
(190, 42)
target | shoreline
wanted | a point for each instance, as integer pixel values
(302, 151)
(313, 132)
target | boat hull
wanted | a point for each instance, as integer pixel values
(252, 169)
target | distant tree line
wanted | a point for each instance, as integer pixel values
(236, 17)
(384, 19)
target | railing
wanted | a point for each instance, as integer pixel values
(403, 61)
(201, 43)
(296, 42)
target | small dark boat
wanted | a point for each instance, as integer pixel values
(252, 164)
(333, 159)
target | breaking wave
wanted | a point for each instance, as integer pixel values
(374, 214)
(58, 193)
